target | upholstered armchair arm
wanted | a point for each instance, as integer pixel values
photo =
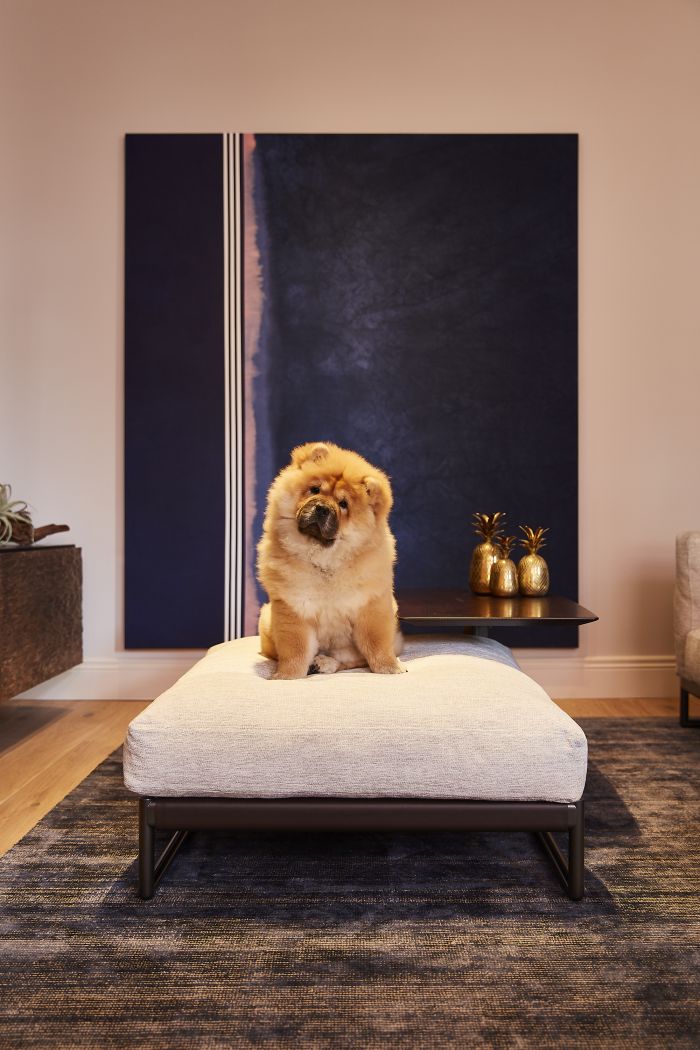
(686, 606)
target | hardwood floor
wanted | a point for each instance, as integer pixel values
(47, 747)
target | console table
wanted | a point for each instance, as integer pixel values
(446, 607)
(41, 624)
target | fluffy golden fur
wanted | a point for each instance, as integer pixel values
(326, 560)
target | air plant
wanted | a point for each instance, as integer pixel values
(12, 511)
(16, 522)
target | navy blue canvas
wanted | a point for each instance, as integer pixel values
(413, 297)
(420, 300)
(174, 379)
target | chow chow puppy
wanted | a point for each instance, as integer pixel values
(326, 561)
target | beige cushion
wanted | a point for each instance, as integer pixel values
(686, 604)
(464, 722)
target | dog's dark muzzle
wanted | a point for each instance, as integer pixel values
(319, 519)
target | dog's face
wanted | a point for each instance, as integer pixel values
(328, 498)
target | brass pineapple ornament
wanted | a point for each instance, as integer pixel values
(489, 527)
(504, 575)
(533, 573)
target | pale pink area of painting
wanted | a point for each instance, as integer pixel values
(253, 307)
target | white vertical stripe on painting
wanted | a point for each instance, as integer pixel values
(239, 390)
(227, 399)
(233, 382)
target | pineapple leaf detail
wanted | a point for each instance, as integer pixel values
(489, 526)
(505, 546)
(533, 539)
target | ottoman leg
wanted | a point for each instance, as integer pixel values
(151, 870)
(570, 871)
(147, 851)
(576, 866)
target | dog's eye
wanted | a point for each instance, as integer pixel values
(314, 490)
(343, 503)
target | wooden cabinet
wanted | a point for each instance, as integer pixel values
(41, 621)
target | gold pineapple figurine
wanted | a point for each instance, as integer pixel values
(533, 574)
(489, 527)
(504, 575)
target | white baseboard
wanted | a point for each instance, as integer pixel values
(601, 677)
(142, 676)
(128, 676)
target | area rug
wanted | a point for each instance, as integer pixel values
(365, 940)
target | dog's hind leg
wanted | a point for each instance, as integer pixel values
(343, 658)
(324, 664)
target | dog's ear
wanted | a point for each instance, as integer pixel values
(378, 491)
(311, 452)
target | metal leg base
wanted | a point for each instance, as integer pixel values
(353, 815)
(151, 870)
(571, 872)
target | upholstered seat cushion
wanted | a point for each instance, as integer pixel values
(464, 722)
(691, 663)
(686, 604)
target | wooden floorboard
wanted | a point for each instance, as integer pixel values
(47, 747)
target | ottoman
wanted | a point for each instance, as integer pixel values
(464, 740)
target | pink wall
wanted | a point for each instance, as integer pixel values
(76, 75)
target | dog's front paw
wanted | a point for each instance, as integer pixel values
(286, 675)
(324, 665)
(396, 667)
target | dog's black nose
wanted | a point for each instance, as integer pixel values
(322, 511)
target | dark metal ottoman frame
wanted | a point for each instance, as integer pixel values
(181, 815)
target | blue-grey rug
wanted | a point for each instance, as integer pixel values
(365, 940)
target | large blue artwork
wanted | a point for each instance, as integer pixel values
(410, 296)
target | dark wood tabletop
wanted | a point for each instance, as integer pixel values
(446, 607)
